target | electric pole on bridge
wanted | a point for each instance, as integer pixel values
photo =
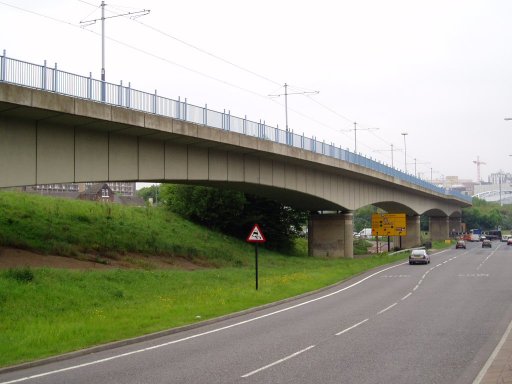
(285, 94)
(86, 23)
(355, 129)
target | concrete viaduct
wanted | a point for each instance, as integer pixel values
(49, 138)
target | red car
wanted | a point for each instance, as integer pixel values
(509, 241)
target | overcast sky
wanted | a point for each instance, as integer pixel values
(440, 70)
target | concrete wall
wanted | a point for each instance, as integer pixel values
(413, 238)
(439, 228)
(331, 235)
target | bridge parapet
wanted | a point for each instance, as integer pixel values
(56, 82)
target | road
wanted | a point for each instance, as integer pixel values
(435, 323)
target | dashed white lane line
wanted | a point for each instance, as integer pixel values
(278, 361)
(406, 296)
(386, 309)
(352, 327)
(99, 361)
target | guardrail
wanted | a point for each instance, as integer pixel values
(52, 79)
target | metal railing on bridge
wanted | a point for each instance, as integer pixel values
(52, 79)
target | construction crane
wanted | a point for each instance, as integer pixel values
(478, 163)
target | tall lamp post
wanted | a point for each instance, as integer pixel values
(405, 151)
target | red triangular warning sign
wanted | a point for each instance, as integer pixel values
(256, 236)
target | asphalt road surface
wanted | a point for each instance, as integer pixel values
(435, 323)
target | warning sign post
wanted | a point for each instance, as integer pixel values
(256, 237)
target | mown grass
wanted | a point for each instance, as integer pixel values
(45, 311)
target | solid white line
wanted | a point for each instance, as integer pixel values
(406, 296)
(352, 327)
(278, 361)
(494, 353)
(387, 309)
(204, 333)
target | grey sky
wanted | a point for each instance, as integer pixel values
(439, 70)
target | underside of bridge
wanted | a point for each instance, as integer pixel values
(47, 138)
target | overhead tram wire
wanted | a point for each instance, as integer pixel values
(245, 70)
(194, 70)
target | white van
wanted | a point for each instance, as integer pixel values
(365, 232)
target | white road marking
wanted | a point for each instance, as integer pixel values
(386, 309)
(406, 296)
(278, 361)
(482, 373)
(352, 327)
(203, 333)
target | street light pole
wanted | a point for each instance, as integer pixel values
(405, 151)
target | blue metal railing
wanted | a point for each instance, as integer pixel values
(54, 80)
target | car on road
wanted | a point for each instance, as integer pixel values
(509, 241)
(486, 243)
(419, 256)
(460, 244)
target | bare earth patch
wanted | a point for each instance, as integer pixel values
(15, 258)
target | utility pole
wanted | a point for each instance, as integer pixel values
(285, 94)
(102, 19)
(405, 151)
(393, 149)
(415, 163)
(355, 134)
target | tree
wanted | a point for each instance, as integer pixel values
(235, 213)
(150, 192)
(214, 208)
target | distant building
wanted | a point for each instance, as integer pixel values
(465, 186)
(116, 192)
(121, 188)
(98, 192)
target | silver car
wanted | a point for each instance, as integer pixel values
(419, 256)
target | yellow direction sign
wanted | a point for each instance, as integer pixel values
(389, 224)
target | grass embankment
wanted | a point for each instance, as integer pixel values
(45, 311)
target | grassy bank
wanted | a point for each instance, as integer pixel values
(83, 229)
(44, 311)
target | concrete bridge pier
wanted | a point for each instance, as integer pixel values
(455, 224)
(439, 227)
(331, 235)
(412, 239)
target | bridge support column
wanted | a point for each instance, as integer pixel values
(439, 228)
(331, 235)
(455, 225)
(412, 239)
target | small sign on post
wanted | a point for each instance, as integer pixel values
(256, 236)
